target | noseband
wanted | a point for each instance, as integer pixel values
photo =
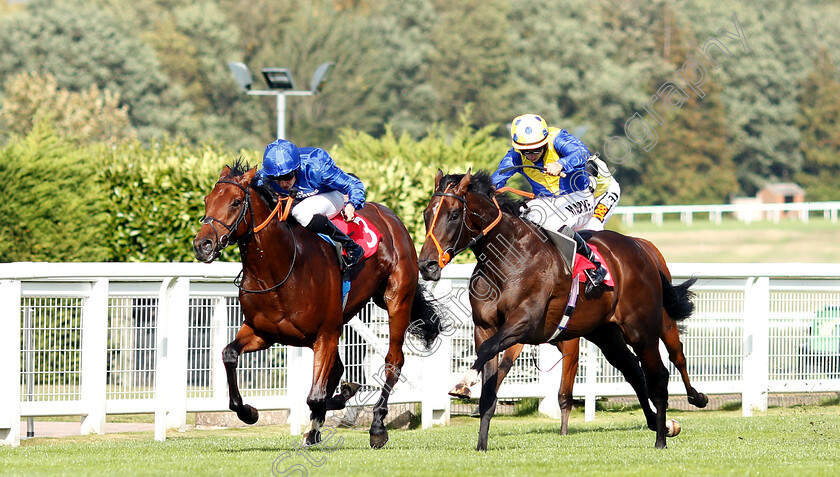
(224, 240)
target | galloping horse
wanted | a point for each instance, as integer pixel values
(291, 292)
(570, 350)
(525, 303)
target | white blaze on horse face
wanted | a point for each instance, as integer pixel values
(470, 378)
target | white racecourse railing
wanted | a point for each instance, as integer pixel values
(744, 212)
(101, 338)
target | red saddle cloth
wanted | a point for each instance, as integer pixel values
(582, 263)
(361, 231)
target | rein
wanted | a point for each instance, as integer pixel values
(246, 205)
(445, 256)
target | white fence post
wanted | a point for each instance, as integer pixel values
(95, 357)
(756, 347)
(550, 380)
(435, 402)
(591, 377)
(177, 320)
(301, 363)
(10, 292)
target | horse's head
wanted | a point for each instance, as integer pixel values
(447, 229)
(228, 215)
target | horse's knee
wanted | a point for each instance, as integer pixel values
(230, 355)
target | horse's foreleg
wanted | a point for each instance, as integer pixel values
(570, 350)
(671, 337)
(487, 403)
(245, 342)
(506, 363)
(512, 332)
(326, 352)
(399, 309)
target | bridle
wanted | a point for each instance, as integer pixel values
(223, 241)
(445, 256)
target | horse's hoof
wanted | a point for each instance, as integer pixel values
(460, 391)
(698, 401)
(311, 438)
(378, 441)
(248, 414)
(348, 390)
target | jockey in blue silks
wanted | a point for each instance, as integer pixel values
(555, 165)
(310, 174)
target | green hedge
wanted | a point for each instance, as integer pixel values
(135, 202)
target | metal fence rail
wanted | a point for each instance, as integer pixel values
(93, 339)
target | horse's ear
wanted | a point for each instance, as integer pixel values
(438, 177)
(225, 172)
(461, 188)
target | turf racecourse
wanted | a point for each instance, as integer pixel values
(798, 440)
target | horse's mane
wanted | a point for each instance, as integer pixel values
(239, 167)
(480, 183)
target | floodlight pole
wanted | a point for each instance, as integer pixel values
(281, 106)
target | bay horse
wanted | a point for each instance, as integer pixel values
(291, 292)
(570, 351)
(520, 287)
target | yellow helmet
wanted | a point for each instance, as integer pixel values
(528, 131)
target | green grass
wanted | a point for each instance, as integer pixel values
(733, 241)
(791, 441)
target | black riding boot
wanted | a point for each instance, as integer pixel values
(596, 276)
(320, 224)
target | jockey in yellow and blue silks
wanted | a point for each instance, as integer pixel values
(555, 165)
(310, 174)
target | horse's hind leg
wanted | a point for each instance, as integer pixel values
(611, 342)
(671, 337)
(570, 350)
(399, 296)
(245, 342)
(656, 376)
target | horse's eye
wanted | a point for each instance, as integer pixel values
(236, 203)
(455, 215)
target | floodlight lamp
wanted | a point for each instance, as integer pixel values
(278, 78)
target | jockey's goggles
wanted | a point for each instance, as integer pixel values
(283, 177)
(532, 152)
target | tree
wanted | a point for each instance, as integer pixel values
(819, 121)
(81, 46)
(85, 117)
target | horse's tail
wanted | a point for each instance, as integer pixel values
(427, 317)
(677, 299)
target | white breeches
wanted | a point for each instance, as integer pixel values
(328, 203)
(573, 210)
(605, 204)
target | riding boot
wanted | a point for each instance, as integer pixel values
(596, 276)
(320, 224)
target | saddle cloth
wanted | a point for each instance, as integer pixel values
(361, 231)
(582, 264)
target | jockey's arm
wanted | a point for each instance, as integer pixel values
(573, 153)
(335, 178)
(512, 158)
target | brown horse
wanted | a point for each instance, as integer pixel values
(291, 292)
(520, 289)
(570, 350)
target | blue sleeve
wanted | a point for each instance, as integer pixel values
(333, 177)
(573, 153)
(512, 158)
